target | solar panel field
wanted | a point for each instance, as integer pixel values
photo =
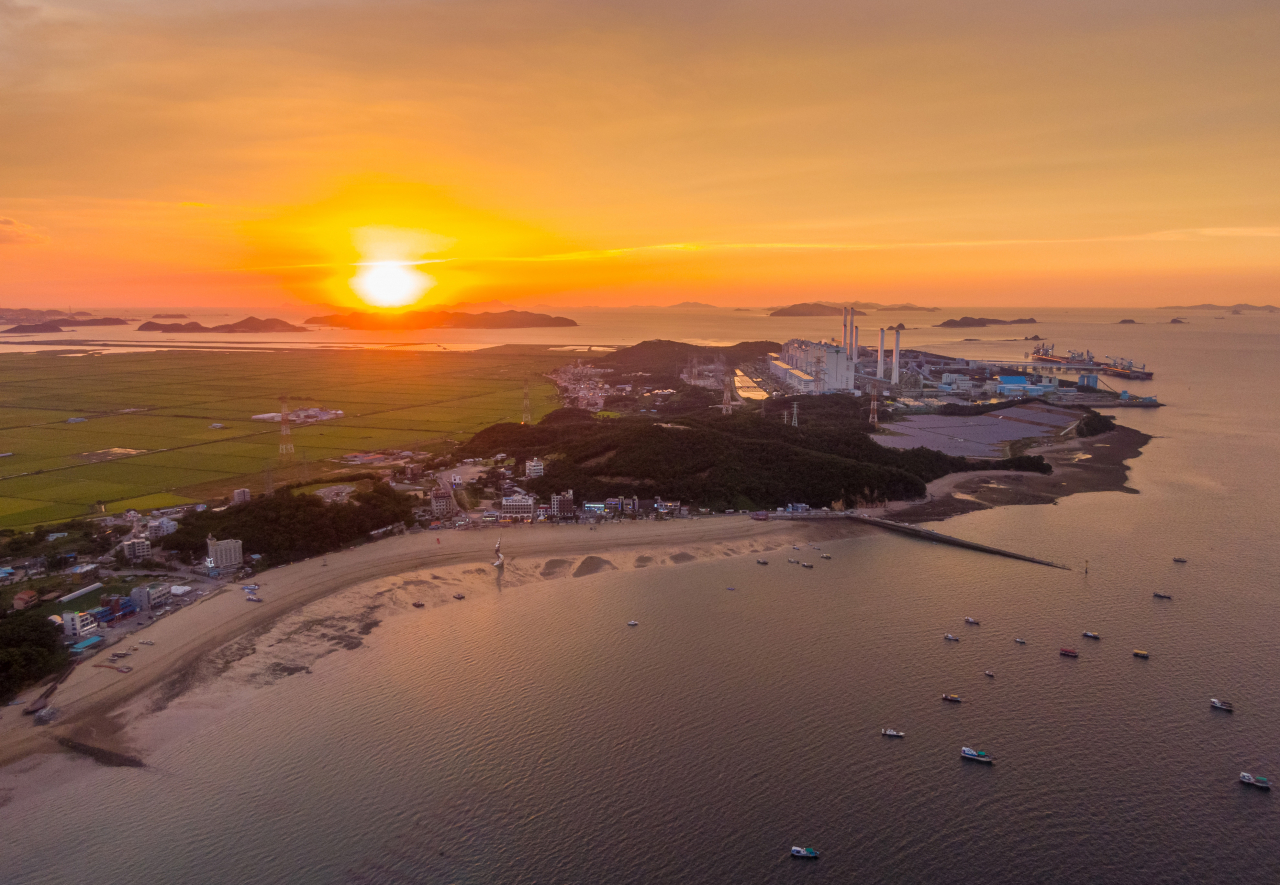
(146, 440)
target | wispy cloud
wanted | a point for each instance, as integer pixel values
(15, 233)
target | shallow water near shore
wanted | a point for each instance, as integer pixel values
(531, 736)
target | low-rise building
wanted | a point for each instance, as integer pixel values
(161, 527)
(78, 623)
(241, 496)
(533, 468)
(518, 506)
(136, 548)
(25, 599)
(148, 597)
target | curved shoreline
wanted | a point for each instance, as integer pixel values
(184, 638)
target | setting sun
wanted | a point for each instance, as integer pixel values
(390, 283)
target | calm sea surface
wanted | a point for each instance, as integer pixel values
(531, 737)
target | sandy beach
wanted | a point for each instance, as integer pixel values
(196, 645)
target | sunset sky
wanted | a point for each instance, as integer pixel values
(587, 152)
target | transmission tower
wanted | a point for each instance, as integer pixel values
(528, 413)
(286, 440)
(795, 413)
(875, 409)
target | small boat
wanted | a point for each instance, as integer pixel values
(1255, 780)
(145, 642)
(973, 621)
(826, 556)
(806, 565)
(1162, 595)
(633, 623)
(795, 546)
(253, 599)
(1068, 652)
(975, 755)
(1139, 653)
(1221, 705)
(1088, 635)
(762, 562)
(1020, 641)
(892, 733)
(124, 669)
(793, 561)
(811, 853)
(459, 596)
(133, 648)
(419, 605)
(731, 589)
(950, 638)
(1178, 559)
(990, 674)
(953, 698)
(249, 588)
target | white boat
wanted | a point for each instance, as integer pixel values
(891, 733)
(826, 556)
(975, 755)
(992, 675)
(951, 638)
(1221, 705)
(1090, 635)
(633, 623)
(1255, 780)
(500, 563)
(762, 562)
(973, 621)
(804, 852)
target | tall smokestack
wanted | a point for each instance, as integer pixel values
(854, 354)
(844, 327)
(897, 350)
(880, 361)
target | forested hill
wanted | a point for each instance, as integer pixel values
(667, 359)
(747, 460)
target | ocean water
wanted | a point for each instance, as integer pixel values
(530, 736)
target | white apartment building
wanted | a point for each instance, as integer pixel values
(241, 496)
(78, 623)
(224, 554)
(150, 596)
(533, 468)
(161, 527)
(136, 548)
(519, 505)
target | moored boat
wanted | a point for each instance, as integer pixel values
(1089, 635)
(793, 561)
(459, 596)
(806, 565)
(1255, 780)
(1159, 595)
(633, 623)
(975, 755)
(1221, 705)
(762, 562)
(811, 853)
(973, 621)
(1179, 559)
(891, 733)
(950, 638)
(1139, 653)
(953, 698)
(419, 605)
(1020, 641)
(826, 556)
(1068, 652)
(992, 675)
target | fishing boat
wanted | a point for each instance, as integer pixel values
(252, 599)
(1020, 641)
(1139, 653)
(892, 733)
(762, 562)
(1088, 635)
(1068, 652)
(826, 556)
(793, 561)
(633, 623)
(950, 638)
(975, 755)
(459, 596)
(1255, 780)
(809, 853)
(1221, 705)
(145, 642)
(806, 565)
(419, 605)
(953, 698)
(1159, 595)
(1178, 559)
(990, 674)
(974, 621)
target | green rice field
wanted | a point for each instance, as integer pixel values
(147, 441)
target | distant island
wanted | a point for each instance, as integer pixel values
(1269, 308)
(684, 304)
(61, 324)
(33, 328)
(1178, 321)
(812, 309)
(440, 319)
(979, 322)
(249, 324)
(908, 307)
(169, 316)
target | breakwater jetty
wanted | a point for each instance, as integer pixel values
(917, 532)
